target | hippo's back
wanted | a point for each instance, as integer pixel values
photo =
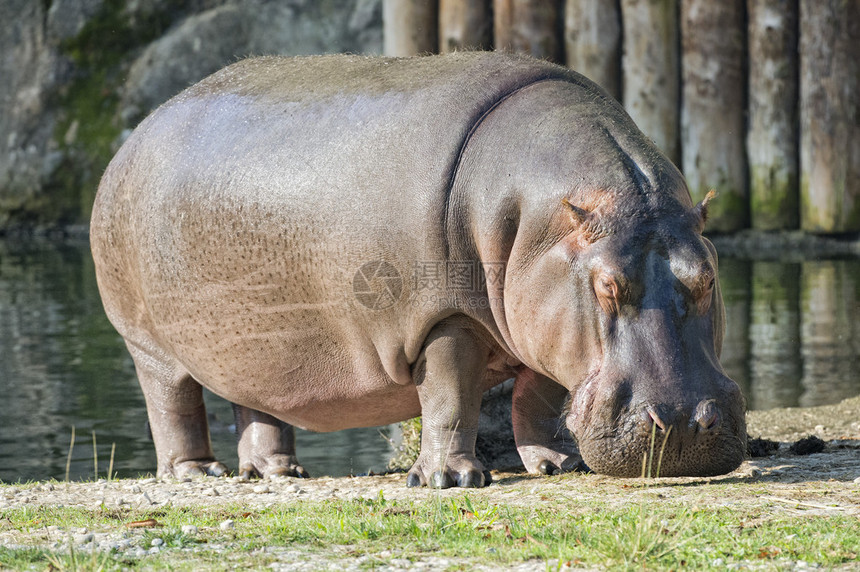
(230, 227)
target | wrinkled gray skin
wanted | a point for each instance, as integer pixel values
(229, 230)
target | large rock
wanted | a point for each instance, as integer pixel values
(30, 67)
(206, 42)
(77, 74)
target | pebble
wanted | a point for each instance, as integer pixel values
(213, 492)
(83, 538)
(189, 529)
(262, 489)
(227, 525)
(857, 481)
(294, 488)
(157, 542)
(148, 481)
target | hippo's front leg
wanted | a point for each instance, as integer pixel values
(450, 384)
(267, 446)
(539, 431)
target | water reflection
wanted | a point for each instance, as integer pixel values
(792, 337)
(792, 340)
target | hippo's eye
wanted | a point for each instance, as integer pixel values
(706, 295)
(609, 293)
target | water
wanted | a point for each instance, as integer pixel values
(62, 364)
(793, 339)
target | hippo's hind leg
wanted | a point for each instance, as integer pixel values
(177, 415)
(542, 439)
(450, 385)
(267, 446)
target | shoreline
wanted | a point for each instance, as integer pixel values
(749, 244)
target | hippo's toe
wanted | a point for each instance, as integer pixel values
(462, 472)
(571, 464)
(199, 468)
(272, 466)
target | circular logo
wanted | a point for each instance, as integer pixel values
(377, 285)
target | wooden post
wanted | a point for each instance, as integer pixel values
(774, 333)
(409, 27)
(713, 126)
(773, 138)
(830, 115)
(652, 72)
(465, 25)
(592, 39)
(530, 27)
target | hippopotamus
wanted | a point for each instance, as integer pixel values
(341, 241)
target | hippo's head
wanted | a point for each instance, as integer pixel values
(658, 401)
(610, 288)
(636, 321)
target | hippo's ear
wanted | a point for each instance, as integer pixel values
(587, 222)
(699, 213)
(578, 216)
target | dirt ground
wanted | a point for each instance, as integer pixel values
(822, 481)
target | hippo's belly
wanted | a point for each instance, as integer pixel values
(262, 311)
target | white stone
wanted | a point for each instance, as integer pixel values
(227, 525)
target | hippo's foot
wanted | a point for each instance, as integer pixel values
(272, 466)
(460, 471)
(548, 461)
(543, 442)
(196, 468)
(267, 445)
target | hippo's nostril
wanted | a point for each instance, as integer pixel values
(655, 417)
(707, 415)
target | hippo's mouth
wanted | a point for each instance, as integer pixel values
(639, 449)
(618, 436)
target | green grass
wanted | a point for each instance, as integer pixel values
(649, 534)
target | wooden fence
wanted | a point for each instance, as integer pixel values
(755, 98)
